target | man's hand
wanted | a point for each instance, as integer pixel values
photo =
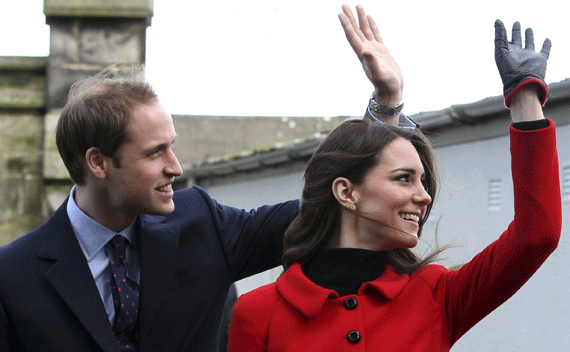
(379, 65)
(517, 66)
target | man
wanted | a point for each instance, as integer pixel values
(126, 263)
(183, 250)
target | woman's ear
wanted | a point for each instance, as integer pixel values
(343, 191)
(97, 163)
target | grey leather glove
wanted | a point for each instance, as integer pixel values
(520, 66)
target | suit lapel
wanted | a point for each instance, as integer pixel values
(72, 279)
(157, 249)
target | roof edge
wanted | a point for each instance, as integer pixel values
(454, 115)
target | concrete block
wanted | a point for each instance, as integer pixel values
(20, 89)
(97, 41)
(23, 63)
(61, 78)
(18, 226)
(11, 193)
(54, 169)
(20, 132)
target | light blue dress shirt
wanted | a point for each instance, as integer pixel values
(93, 239)
(403, 122)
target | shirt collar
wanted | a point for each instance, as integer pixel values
(403, 122)
(91, 235)
(308, 298)
(406, 122)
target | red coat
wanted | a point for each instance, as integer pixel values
(429, 309)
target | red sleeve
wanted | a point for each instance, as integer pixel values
(250, 320)
(495, 274)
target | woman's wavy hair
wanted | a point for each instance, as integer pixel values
(350, 151)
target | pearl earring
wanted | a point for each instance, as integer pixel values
(352, 207)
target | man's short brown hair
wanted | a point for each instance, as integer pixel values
(96, 115)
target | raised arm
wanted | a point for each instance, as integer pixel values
(522, 71)
(378, 63)
(497, 272)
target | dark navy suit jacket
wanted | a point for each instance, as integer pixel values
(49, 301)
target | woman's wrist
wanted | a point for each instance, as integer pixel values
(525, 105)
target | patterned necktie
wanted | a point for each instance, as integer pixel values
(125, 297)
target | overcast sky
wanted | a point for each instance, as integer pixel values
(290, 58)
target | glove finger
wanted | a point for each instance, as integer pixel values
(546, 47)
(529, 39)
(517, 34)
(501, 41)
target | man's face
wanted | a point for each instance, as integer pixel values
(143, 181)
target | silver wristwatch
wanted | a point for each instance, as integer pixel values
(383, 109)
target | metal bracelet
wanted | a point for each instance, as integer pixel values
(383, 109)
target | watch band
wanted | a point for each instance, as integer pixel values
(383, 109)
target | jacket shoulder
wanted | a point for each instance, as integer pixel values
(431, 274)
(194, 192)
(260, 301)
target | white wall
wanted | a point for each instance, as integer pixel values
(537, 318)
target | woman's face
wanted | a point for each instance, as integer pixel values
(391, 200)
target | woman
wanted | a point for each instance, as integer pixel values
(351, 280)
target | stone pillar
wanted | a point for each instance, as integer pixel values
(86, 36)
(22, 102)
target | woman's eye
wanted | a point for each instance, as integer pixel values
(404, 178)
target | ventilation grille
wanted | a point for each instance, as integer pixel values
(566, 184)
(495, 194)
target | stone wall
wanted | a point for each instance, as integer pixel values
(202, 138)
(22, 100)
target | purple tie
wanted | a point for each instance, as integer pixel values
(125, 297)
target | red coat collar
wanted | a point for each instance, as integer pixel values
(308, 298)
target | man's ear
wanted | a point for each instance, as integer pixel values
(343, 191)
(97, 163)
